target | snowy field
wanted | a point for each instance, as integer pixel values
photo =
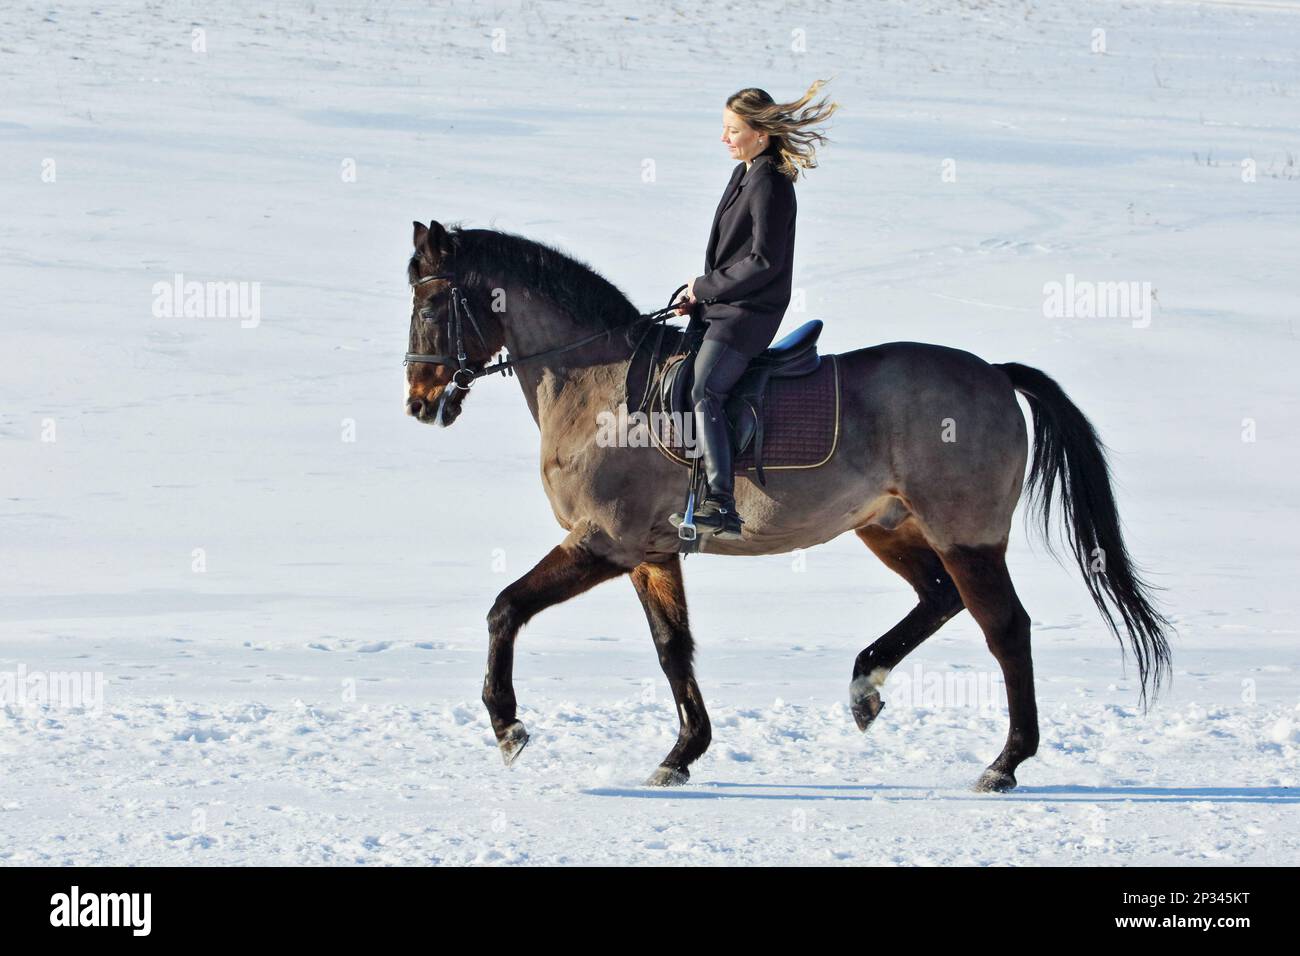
(282, 580)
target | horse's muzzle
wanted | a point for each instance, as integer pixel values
(442, 410)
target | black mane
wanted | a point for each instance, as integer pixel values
(484, 256)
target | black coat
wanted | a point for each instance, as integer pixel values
(750, 258)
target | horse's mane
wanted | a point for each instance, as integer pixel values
(571, 286)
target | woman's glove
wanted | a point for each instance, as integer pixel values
(686, 302)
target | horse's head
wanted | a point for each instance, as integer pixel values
(435, 391)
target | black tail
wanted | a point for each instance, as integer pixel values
(1066, 448)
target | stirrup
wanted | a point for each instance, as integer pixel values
(687, 529)
(694, 528)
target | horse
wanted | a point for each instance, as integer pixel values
(927, 472)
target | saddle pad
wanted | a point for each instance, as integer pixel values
(801, 422)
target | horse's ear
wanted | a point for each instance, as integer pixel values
(432, 242)
(439, 240)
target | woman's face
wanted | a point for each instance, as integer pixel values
(743, 141)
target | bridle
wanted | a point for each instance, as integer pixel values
(459, 305)
(460, 311)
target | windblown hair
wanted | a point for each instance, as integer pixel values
(786, 124)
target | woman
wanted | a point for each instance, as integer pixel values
(745, 289)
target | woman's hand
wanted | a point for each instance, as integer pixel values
(686, 301)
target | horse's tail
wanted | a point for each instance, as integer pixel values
(1069, 455)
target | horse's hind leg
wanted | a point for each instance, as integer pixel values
(905, 551)
(663, 595)
(985, 584)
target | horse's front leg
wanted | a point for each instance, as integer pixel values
(659, 585)
(567, 571)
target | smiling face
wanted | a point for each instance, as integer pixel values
(742, 140)
(432, 395)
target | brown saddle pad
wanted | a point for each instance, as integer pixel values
(801, 423)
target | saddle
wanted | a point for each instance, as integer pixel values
(792, 357)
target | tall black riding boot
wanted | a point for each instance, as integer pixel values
(712, 434)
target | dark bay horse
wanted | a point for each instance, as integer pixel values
(928, 470)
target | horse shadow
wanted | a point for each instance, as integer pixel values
(1063, 793)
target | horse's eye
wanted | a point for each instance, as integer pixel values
(428, 314)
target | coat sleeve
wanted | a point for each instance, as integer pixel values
(771, 211)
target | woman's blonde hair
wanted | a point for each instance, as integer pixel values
(786, 124)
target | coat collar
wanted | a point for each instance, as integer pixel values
(756, 168)
(756, 165)
(739, 177)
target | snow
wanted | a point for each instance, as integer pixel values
(290, 624)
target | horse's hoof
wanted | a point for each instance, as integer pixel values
(866, 709)
(512, 743)
(995, 781)
(668, 777)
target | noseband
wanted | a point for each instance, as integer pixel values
(460, 307)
